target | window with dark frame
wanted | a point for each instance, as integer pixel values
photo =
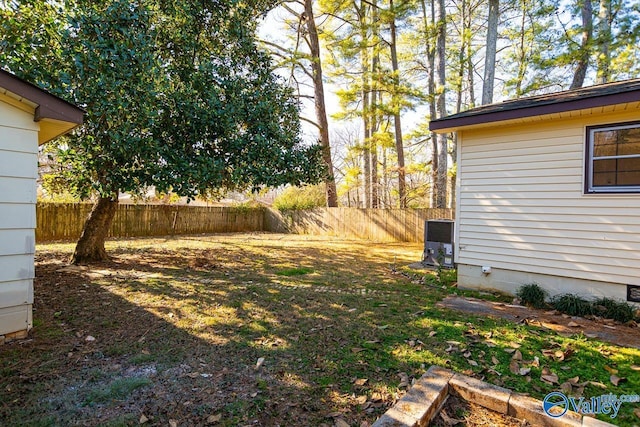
(613, 158)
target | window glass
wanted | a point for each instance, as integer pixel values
(614, 158)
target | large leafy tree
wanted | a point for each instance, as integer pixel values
(177, 96)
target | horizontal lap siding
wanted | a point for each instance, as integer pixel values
(18, 173)
(522, 205)
(17, 242)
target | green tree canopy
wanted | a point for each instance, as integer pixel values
(177, 96)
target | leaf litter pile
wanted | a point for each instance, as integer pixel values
(268, 330)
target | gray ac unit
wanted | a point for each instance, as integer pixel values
(438, 243)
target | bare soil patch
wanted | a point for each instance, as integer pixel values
(627, 335)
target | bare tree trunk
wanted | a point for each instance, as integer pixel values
(490, 58)
(375, 102)
(461, 54)
(430, 52)
(366, 104)
(319, 102)
(402, 192)
(466, 64)
(434, 169)
(375, 184)
(452, 182)
(441, 108)
(366, 158)
(471, 68)
(385, 180)
(373, 153)
(604, 42)
(90, 246)
(522, 56)
(585, 52)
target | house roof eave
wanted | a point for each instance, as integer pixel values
(573, 100)
(49, 108)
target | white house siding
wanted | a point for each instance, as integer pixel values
(18, 173)
(522, 210)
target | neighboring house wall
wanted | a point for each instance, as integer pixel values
(523, 212)
(18, 173)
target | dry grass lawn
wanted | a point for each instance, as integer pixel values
(256, 330)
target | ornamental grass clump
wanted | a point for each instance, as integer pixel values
(613, 309)
(573, 305)
(532, 295)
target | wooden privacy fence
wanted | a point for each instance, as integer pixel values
(64, 221)
(399, 225)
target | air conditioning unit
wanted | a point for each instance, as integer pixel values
(438, 243)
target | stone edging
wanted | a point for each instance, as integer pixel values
(427, 396)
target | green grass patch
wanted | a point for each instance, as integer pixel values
(295, 271)
(142, 358)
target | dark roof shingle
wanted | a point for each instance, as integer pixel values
(571, 100)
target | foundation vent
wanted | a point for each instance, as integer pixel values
(633, 293)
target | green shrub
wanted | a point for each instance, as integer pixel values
(532, 295)
(298, 198)
(572, 305)
(612, 309)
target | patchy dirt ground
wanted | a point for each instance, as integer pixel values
(627, 335)
(258, 330)
(214, 331)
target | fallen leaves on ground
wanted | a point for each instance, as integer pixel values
(211, 419)
(615, 380)
(360, 381)
(548, 376)
(449, 421)
(404, 380)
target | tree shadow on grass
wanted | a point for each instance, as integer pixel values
(178, 333)
(96, 358)
(99, 354)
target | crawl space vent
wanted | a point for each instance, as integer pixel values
(633, 293)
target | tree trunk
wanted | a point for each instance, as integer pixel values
(490, 58)
(430, 52)
(366, 152)
(90, 246)
(402, 192)
(366, 105)
(471, 67)
(604, 42)
(441, 107)
(461, 55)
(521, 54)
(319, 102)
(453, 179)
(587, 33)
(375, 103)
